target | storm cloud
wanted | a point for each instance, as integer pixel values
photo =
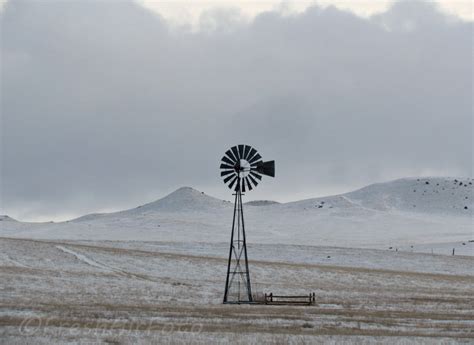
(104, 106)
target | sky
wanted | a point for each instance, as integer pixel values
(188, 13)
(108, 105)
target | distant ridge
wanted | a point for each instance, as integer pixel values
(402, 212)
(428, 195)
(184, 198)
(432, 195)
(5, 218)
(261, 203)
(437, 195)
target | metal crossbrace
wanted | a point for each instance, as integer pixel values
(237, 253)
(237, 266)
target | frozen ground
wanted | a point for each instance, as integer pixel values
(379, 260)
(163, 292)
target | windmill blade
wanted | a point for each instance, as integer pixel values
(251, 154)
(249, 186)
(231, 156)
(236, 153)
(232, 182)
(255, 158)
(254, 174)
(227, 160)
(225, 166)
(227, 172)
(266, 168)
(228, 178)
(246, 152)
(242, 183)
(255, 183)
(241, 151)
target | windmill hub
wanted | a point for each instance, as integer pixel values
(242, 169)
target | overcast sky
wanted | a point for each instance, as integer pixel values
(108, 105)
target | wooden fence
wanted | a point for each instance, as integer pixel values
(309, 299)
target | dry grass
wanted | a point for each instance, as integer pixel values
(160, 300)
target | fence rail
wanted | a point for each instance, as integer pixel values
(308, 299)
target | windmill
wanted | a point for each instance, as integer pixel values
(242, 169)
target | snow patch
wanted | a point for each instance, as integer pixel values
(83, 258)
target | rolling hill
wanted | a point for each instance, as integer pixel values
(399, 214)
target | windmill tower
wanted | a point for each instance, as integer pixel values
(242, 169)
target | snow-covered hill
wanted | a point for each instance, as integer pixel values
(261, 202)
(398, 214)
(5, 218)
(435, 196)
(429, 195)
(183, 200)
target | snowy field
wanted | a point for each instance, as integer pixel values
(379, 260)
(155, 292)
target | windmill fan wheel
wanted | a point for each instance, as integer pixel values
(242, 168)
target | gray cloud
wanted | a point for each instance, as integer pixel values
(104, 107)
